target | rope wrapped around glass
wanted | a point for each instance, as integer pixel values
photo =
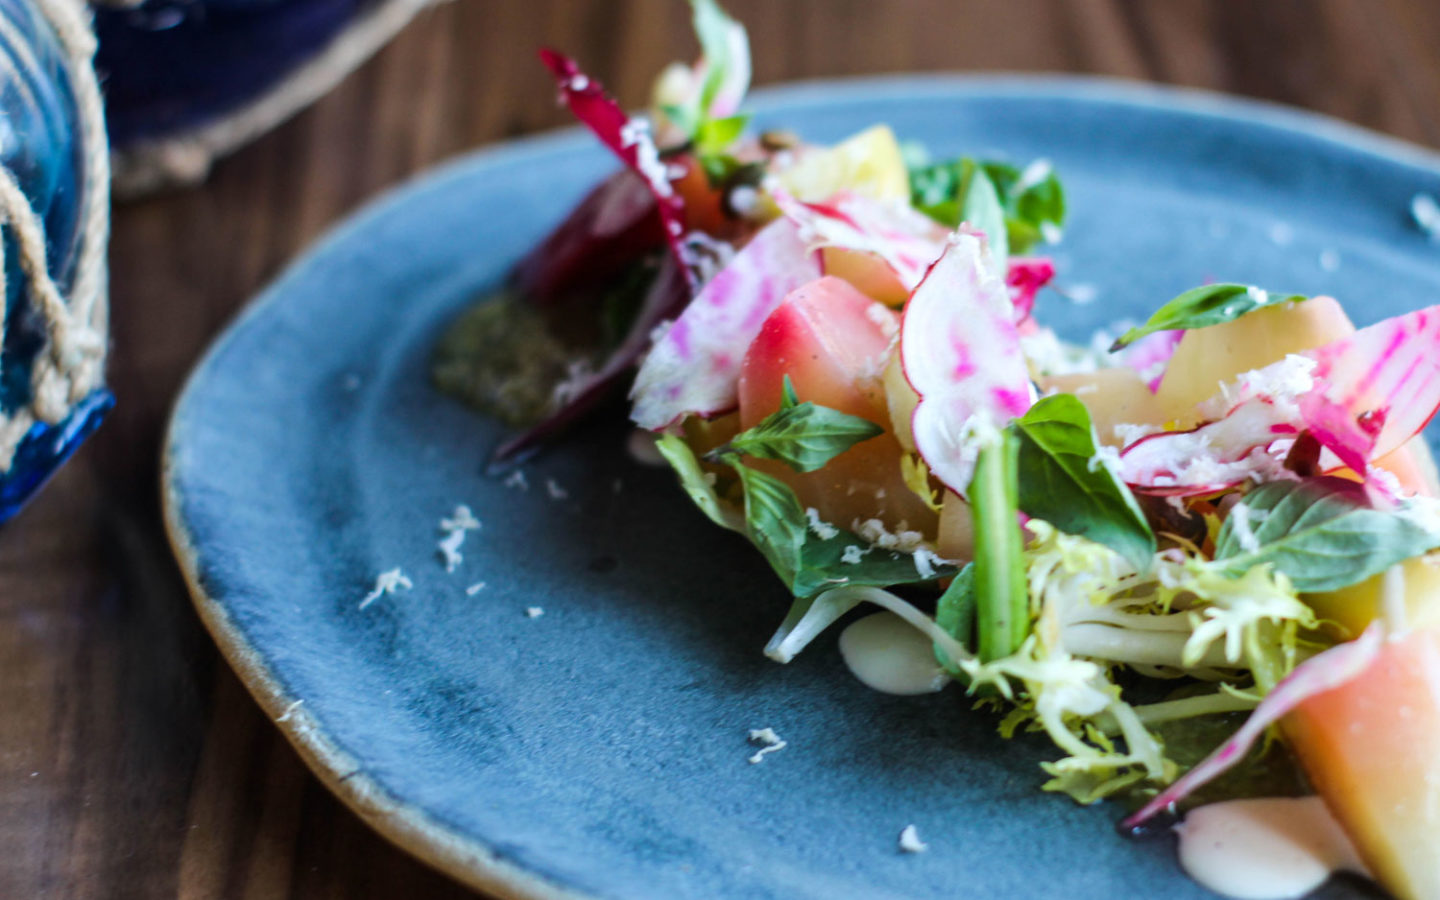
(55, 221)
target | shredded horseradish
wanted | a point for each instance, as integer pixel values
(901, 540)
(770, 741)
(449, 547)
(387, 583)
(534, 612)
(454, 528)
(475, 588)
(556, 492)
(823, 530)
(1426, 213)
(910, 841)
(517, 480)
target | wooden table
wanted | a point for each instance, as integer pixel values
(132, 762)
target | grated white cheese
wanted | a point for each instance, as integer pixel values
(823, 530)
(1426, 213)
(475, 588)
(1082, 294)
(556, 492)
(534, 612)
(1033, 174)
(1051, 232)
(290, 711)
(387, 583)
(449, 547)
(1258, 294)
(852, 554)
(925, 562)
(460, 520)
(517, 480)
(636, 133)
(1240, 526)
(901, 540)
(770, 743)
(910, 841)
(579, 375)
(454, 528)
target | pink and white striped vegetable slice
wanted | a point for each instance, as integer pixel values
(627, 138)
(906, 240)
(1373, 390)
(1151, 354)
(1323, 672)
(961, 353)
(1387, 375)
(1026, 276)
(694, 366)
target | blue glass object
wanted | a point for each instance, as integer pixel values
(171, 65)
(41, 144)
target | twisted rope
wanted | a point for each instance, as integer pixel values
(71, 364)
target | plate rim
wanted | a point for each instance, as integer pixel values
(467, 859)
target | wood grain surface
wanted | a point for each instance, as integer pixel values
(132, 762)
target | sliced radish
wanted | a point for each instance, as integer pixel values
(1026, 276)
(1361, 397)
(961, 353)
(695, 364)
(906, 240)
(1388, 372)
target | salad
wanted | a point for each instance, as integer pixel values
(1164, 553)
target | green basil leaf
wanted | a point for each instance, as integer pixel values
(774, 521)
(692, 478)
(824, 566)
(982, 209)
(808, 563)
(1062, 482)
(802, 435)
(713, 136)
(936, 184)
(955, 612)
(1211, 304)
(1002, 603)
(1323, 533)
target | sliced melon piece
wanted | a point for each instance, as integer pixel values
(1113, 396)
(867, 272)
(1371, 747)
(867, 163)
(832, 341)
(1207, 357)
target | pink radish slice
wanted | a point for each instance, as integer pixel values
(695, 365)
(1026, 276)
(961, 353)
(1365, 395)
(906, 240)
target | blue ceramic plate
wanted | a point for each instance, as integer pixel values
(599, 750)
